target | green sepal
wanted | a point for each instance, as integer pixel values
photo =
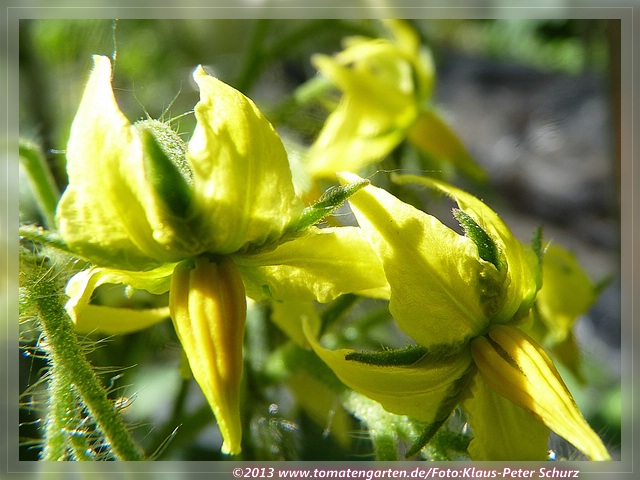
(408, 355)
(536, 243)
(487, 249)
(329, 201)
(167, 179)
(425, 437)
(459, 387)
(171, 143)
(403, 356)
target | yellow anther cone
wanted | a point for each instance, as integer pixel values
(208, 308)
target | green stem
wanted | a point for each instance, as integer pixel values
(67, 358)
(62, 424)
(385, 446)
(44, 188)
(58, 417)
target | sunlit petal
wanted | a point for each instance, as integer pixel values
(518, 369)
(501, 429)
(418, 390)
(243, 188)
(320, 265)
(433, 272)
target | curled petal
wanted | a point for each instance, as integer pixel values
(81, 286)
(117, 321)
(208, 308)
(502, 431)
(243, 188)
(522, 267)
(518, 369)
(432, 271)
(109, 212)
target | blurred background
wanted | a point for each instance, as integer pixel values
(532, 100)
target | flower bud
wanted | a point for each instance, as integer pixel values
(208, 308)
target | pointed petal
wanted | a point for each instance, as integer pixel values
(518, 369)
(242, 180)
(117, 321)
(208, 308)
(82, 285)
(523, 270)
(432, 271)
(502, 431)
(102, 214)
(306, 267)
(421, 58)
(432, 135)
(419, 390)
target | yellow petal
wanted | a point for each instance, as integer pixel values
(81, 286)
(208, 308)
(432, 135)
(378, 106)
(117, 321)
(502, 431)
(517, 368)
(109, 212)
(243, 187)
(419, 390)
(561, 273)
(306, 267)
(432, 271)
(522, 267)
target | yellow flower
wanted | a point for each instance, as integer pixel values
(212, 221)
(465, 300)
(386, 85)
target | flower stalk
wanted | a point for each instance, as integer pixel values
(71, 366)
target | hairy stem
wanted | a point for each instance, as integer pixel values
(69, 362)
